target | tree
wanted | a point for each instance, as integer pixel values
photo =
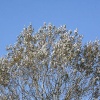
(52, 64)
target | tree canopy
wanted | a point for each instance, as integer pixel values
(51, 64)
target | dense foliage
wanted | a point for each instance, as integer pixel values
(51, 64)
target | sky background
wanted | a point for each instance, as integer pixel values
(15, 14)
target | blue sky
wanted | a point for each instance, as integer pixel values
(81, 14)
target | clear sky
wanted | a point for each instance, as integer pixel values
(81, 14)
